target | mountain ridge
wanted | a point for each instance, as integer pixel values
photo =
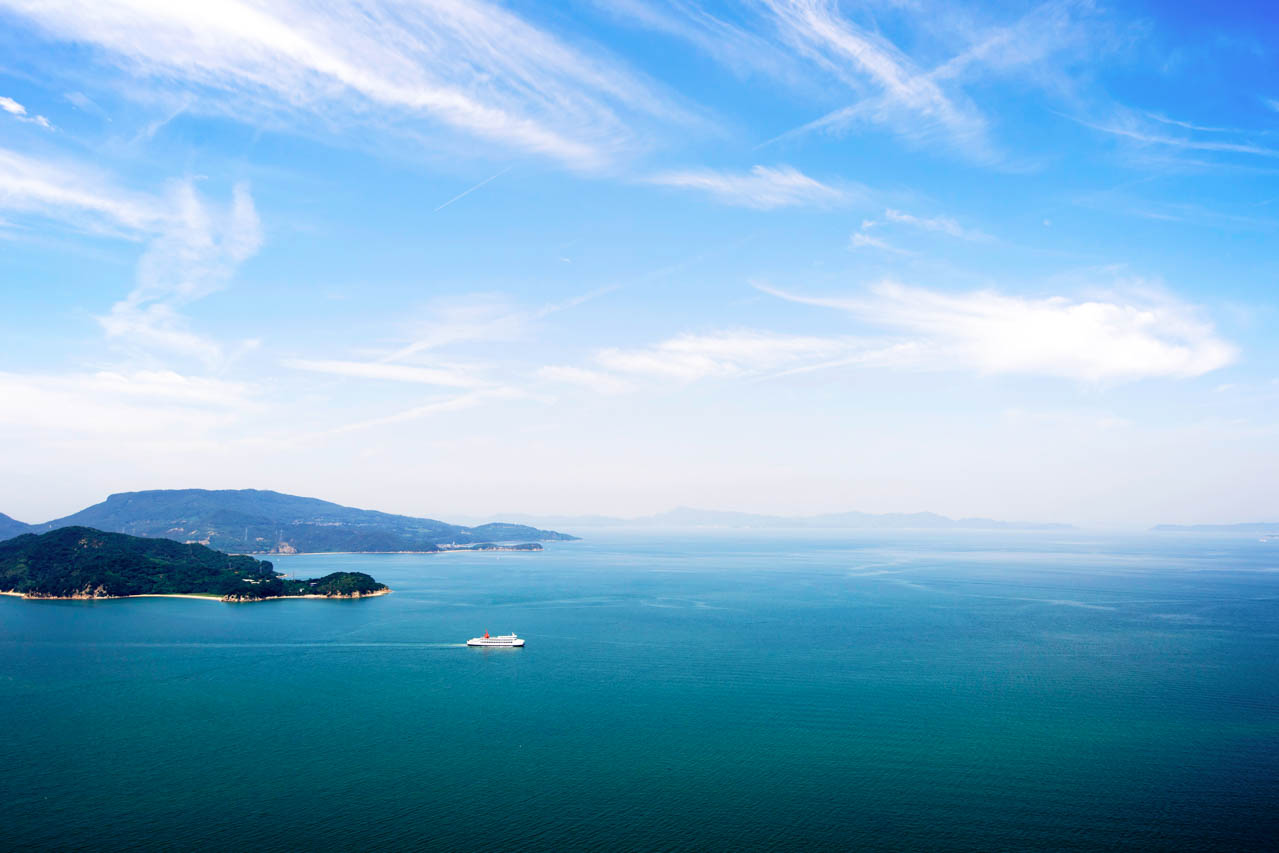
(11, 527)
(259, 521)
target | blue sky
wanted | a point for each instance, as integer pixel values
(458, 259)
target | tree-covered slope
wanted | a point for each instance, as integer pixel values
(86, 563)
(253, 521)
(83, 561)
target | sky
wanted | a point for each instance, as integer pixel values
(459, 259)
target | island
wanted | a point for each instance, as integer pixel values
(86, 563)
(491, 546)
(251, 521)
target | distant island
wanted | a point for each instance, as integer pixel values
(84, 563)
(689, 517)
(1264, 527)
(249, 521)
(10, 527)
(491, 546)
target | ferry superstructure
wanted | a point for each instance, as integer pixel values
(507, 641)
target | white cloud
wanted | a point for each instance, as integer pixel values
(476, 318)
(688, 358)
(595, 380)
(128, 405)
(862, 240)
(450, 376)
(195, 253)
(942, 224)
(762, 188)
(909, 99)
(822, 48)
(471, 66)
(742, 51)
(193, 249)
(19, 112)
(75, 194)
(1091, 340)
(435, 407)
(1130, 125)
(479, 318)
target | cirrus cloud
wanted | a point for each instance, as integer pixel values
(1100, 339)
(762, 188)
(474, 67)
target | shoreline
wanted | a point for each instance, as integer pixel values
(200, 596)
(259, 555)
(376, 592)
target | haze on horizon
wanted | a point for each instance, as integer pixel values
(616, 256)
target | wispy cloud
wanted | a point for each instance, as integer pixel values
(479, 318)
(434, 407)
(1137, 128)
(451, 376)
(193, 249)
(472, 189)
(18, 111)
(823, 49)
(1091, 340)
(75, 194)
(763, 188)
(941, 224)
(908, 98)
(736, 47)
(126, 404)
(474, 67)
(723, 354)
(599, 381)
(735, 354)
(863, 240)
(195, 253)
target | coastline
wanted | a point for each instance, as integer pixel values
(265, 554)
(287, 597)
(200, 596)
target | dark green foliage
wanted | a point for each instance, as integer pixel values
(252, 521)
(344, 584)
(340, 583)
(81, 561)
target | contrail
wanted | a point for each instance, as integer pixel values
(472, 189)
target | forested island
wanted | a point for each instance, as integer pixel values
(85, 563)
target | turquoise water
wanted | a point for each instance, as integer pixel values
(757, 691)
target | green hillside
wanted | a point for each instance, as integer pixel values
(85, 563)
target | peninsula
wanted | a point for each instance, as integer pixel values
(84, 563)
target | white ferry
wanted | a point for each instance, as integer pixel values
(506, 641)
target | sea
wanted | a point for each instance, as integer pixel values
(680, 691)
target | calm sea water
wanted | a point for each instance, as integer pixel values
(758, 691)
